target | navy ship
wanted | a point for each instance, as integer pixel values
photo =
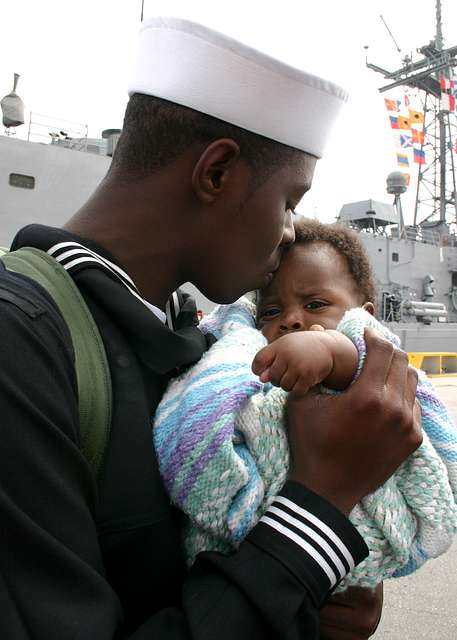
(48, 176)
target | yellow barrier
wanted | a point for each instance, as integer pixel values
(440, 363)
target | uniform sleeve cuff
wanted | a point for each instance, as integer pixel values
(311, 537)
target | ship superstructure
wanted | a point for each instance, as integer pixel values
(416, 264)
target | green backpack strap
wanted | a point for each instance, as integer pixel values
(91, 364)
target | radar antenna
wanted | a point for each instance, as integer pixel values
(436, 201)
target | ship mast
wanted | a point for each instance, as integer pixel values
(436, 200)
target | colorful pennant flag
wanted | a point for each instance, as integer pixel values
(406, 140)
(447, 102)
(416, 117)
(418, 136)
(419, 156)
(447, 83)
(394, 122)
(404, 122)
(406, 100)
(402, 160)
(392, 105)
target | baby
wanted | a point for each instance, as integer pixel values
(324, 274)
(220, 433)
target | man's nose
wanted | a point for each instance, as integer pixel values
(288, 236)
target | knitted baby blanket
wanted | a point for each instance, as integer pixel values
(223, 454)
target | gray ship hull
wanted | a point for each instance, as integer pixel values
(417, 337)
(416, 275)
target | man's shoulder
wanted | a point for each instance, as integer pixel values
(24, 294)
(27, 311)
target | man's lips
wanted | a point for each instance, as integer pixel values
(275, 268)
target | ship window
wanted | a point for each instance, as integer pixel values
(22, 181)
(394, 257)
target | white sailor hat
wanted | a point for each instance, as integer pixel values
(196, 67)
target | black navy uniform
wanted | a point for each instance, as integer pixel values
(80, 561)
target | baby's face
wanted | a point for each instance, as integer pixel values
(313, 285)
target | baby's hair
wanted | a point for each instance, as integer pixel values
(347, 243)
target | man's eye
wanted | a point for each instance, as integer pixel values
(315, 304)
(290, 207)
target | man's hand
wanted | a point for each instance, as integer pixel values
(351, 615)
(344, 447)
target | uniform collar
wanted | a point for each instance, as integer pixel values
(103, 282)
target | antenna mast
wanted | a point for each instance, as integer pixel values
(436, 200)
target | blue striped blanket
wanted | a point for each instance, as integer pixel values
(223, 454)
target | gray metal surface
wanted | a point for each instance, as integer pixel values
(365, 212)
(63, 180)
(401, 266)
(414, 269)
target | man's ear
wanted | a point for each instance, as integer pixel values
(214, 168)
(369, 306)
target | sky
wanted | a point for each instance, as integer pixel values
(74, 60)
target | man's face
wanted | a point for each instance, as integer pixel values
(312, 286)
(246, 248)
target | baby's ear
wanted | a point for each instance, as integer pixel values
(369, 306)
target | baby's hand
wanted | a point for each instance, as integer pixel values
(300, 360)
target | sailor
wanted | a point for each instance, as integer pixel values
(218, 147)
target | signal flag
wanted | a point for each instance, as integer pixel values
(416, 117)
(402, 160)
(392, 105)
(447, 83)
(406, 141)
(419, 156)
(418, 136)
(447, 102)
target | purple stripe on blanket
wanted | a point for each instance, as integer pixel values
(198, 425)
(198, 432)
(427, 396)
(359, 344)
(196, 410)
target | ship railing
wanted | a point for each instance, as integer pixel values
(412, 234)
(418, 234)
(50, 130)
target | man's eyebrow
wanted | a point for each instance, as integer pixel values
(302, 190)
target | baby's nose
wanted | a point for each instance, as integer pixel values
(293, 322)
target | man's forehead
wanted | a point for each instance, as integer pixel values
(300, 171)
